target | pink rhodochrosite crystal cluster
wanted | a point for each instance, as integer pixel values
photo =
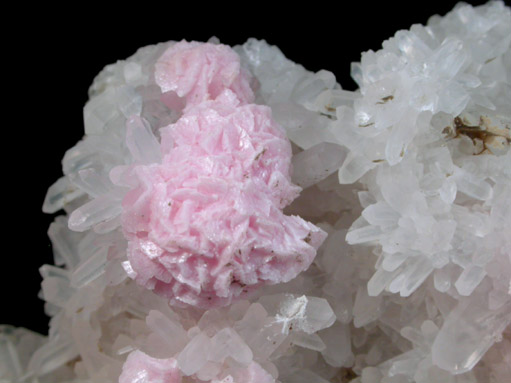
(141, 368)
(200, 72)
(206, 225)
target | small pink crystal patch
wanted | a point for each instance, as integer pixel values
(141, 368)
(201, 72)
(206, 225)
(254, 373)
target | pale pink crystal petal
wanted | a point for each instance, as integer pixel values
(141, 368)
(254, 373)
(200, 72)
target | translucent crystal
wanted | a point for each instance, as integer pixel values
(96, 211)
(317, 163)
(227, 343)
(195, 355)
(338, 351)
(141, 141)
(469, 279)
(409, 175)
(166, 329)
(468, 332)
(59, 194)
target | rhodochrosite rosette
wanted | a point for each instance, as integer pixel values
(206, 224)
(234, 218)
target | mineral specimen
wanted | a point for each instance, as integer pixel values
(205, 224)
(410, 177)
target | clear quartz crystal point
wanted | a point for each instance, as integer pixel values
(195, 355)
(468, 332)
(103, 208)
(52, 355)
(317, 163)
(10, 367)
(227, 343)
(142, 143)
(172, 333)
(59, 194)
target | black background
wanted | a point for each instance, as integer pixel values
(51, 56)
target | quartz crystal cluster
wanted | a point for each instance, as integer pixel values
(188, 254)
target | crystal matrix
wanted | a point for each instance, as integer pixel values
(409, 176)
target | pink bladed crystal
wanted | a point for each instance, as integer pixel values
(141, 368)
(206, 224)
(200, 72)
